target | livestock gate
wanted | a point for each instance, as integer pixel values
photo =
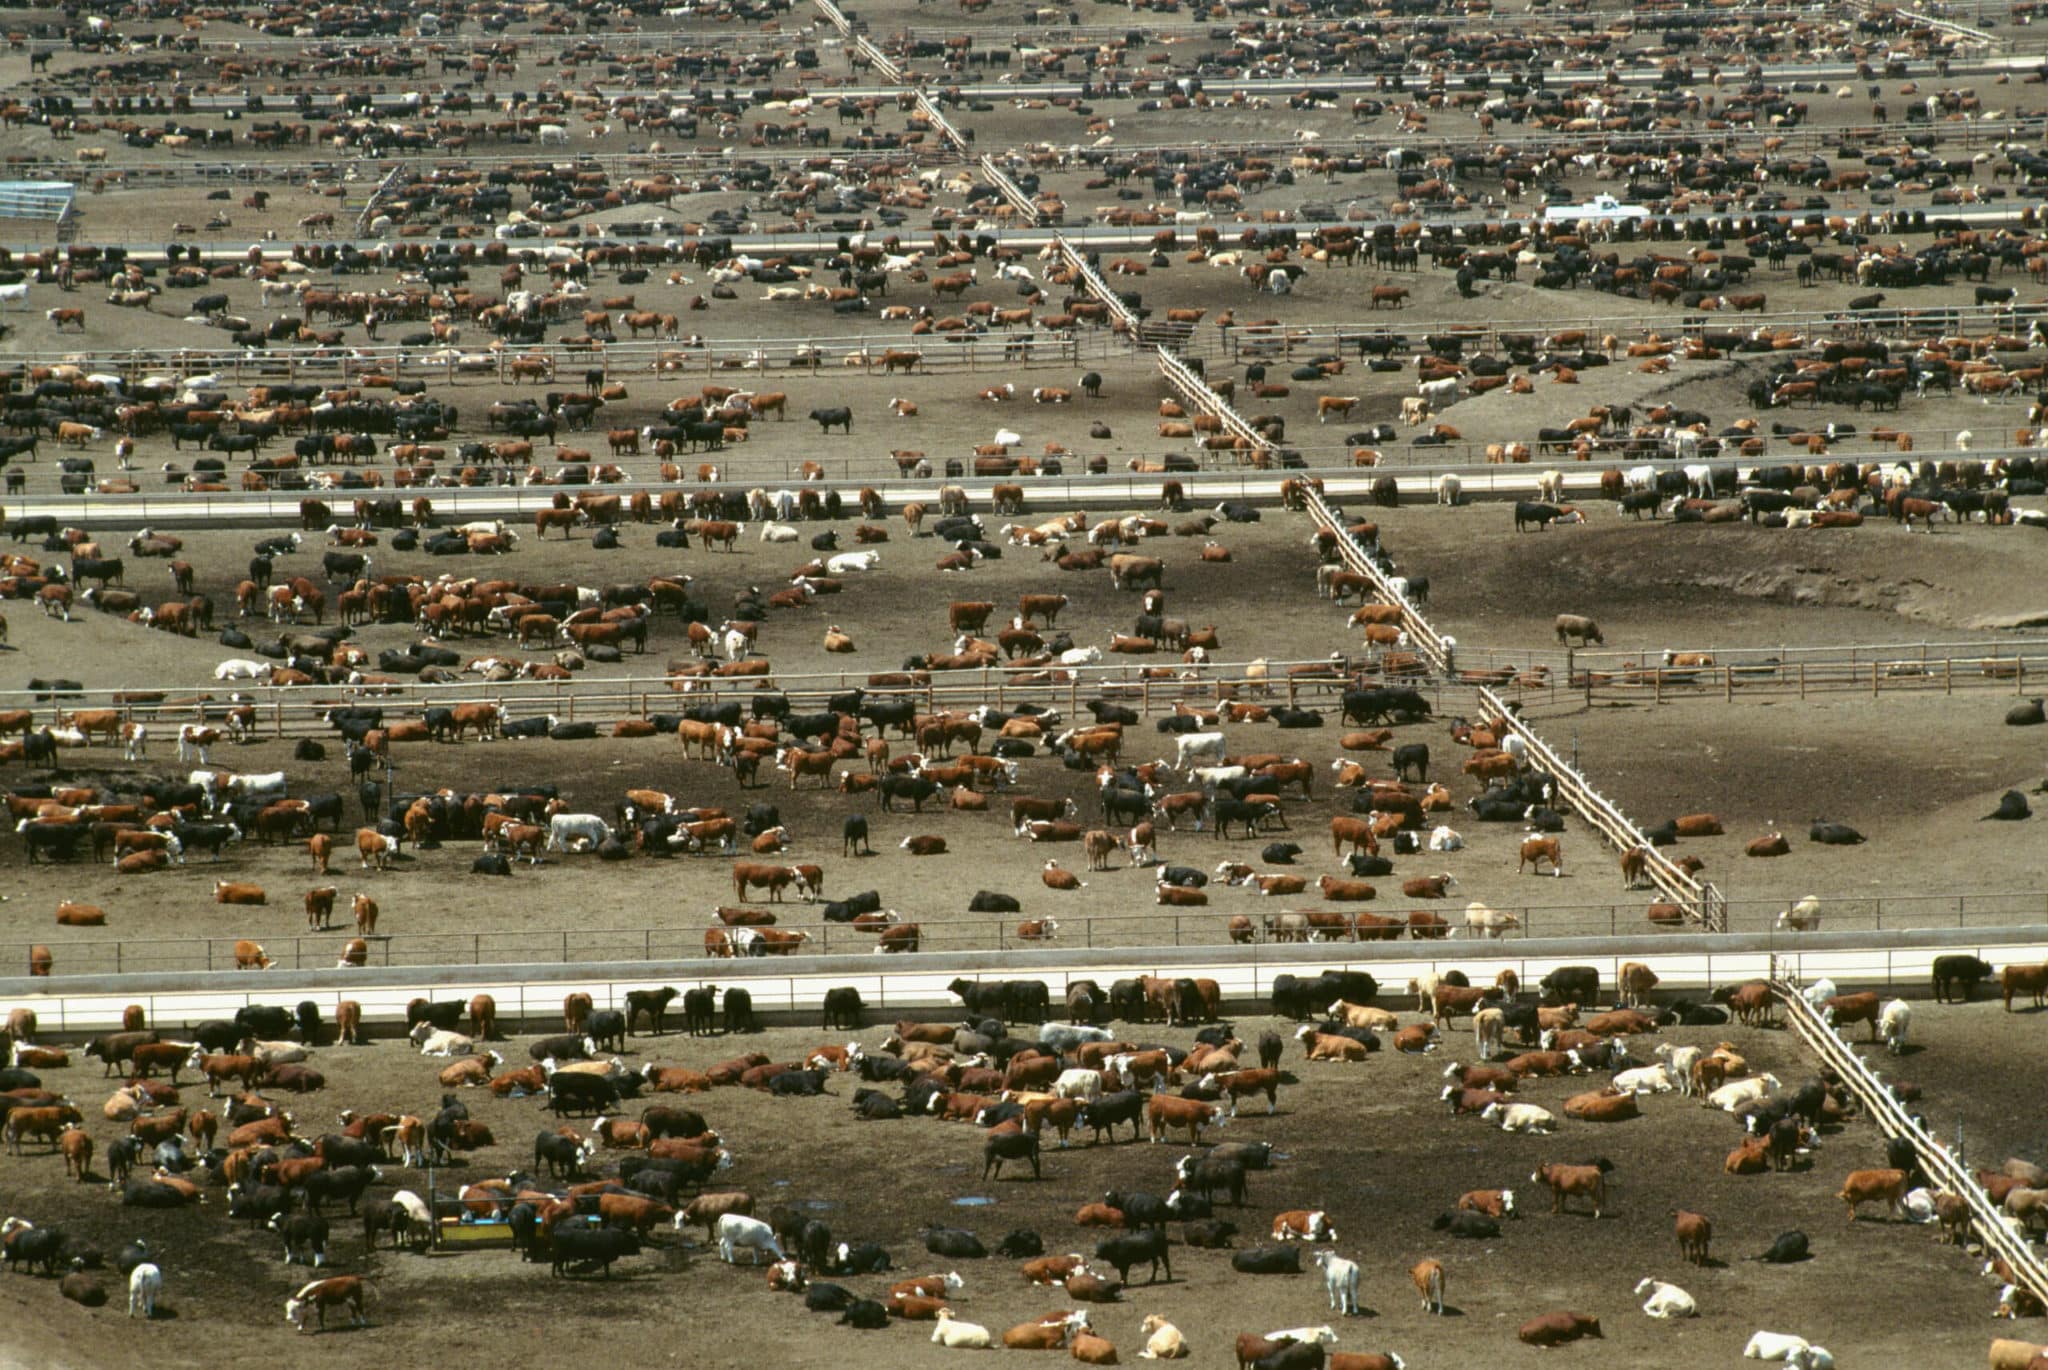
(41, 202)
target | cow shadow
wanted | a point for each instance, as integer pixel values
(1713, 1263)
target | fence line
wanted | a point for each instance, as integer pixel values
(295, 710)
(1701, 902)
(1165, 927)
(1196, 390)
(1432, 646)
(893, 984)
(1949, 1172)
(1125, 323)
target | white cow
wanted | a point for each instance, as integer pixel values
(1443, 838)
(433, 1041)
(1894, 1018)
(1803, 916)
(581, 828)
(1699, 481)
(1733, 1095)
(1078, 1084)
(1550, 486)
(273, 1053)
(960, 1336)
(1325, 1335)
(145, 1282)
(1482, 920)
(1448, 488)
(554, 133)
(737, 1234)
(1196, 747)
(847, 562)
(1661, 1300)
(1439, 394)
(1797, 1352)
(1081, 656)
(779, 532)
(135, 742)
(266, 785)
(1646, 1080)
(1819, 992)
(1917, 1205)
(1340, 1280)
(1520, 1117)
(1679, 1061)
(415, 1207)
(1163, 1341)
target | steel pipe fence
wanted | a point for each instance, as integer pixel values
(899, 985)
(1700, 901)
(1949, 1171)
(1986, 914)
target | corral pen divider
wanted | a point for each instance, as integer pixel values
(793, 988)
(1948, 1170)
(1702, 902)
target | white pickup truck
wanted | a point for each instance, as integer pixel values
(1599, 207)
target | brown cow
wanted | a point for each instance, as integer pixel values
(1587, 1181)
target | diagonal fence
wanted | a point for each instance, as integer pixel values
(1947, 1170)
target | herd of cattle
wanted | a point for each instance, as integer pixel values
(1033, 1081)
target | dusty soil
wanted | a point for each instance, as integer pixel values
(1369, 1143)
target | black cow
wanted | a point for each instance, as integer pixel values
(1102, 1114)
(700, 1009)
(1279, 853)
(1008, 1146)
(821, 1296)
(1129, 1248)
(1465, 1223)
(1572, 984)
(954, 1244)
(651, 1002)
(843, 1007)
(915, 788)
(871, 1105)
(1963, 970)
(739, 1012)
(1214, 1234)
(797, 1084)
(1021, 1244)
(305, 1232)
(344, 565)
(576, 1092)
(1788, 1248)
(835, 416)
(853, 836)
(988, 901)
(1413, 755)
(39, 1246)
(588, 1247)
(563, 1156)
(865, 1314)
(607, 1028)
(1834, 834)
(1266, 1262)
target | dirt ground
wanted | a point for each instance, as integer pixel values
(434, 911)
(1368, 1143)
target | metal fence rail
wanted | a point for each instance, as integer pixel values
(1948, 1172)
(1423, 637)
(892, 985)
(1701, 902)
(298, 710)
(1197, 391)
(1986, 915)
